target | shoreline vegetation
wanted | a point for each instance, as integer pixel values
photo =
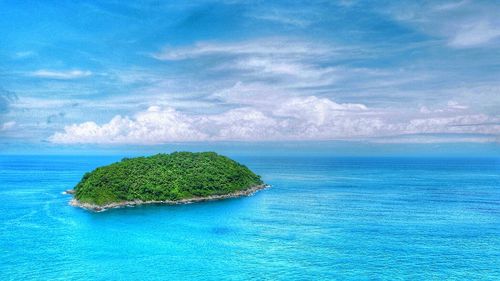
(100, 208)
(176, 178)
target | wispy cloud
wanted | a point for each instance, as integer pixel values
(7, 125)
(277, 62)
(463, 24)
(290, 16)
(6, 99)
(279, 46)
(438, 138)
(475, 34)
(63, 75)
(24, 54)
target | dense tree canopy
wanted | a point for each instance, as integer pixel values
(175, 176)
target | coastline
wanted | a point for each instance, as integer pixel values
(100, 208)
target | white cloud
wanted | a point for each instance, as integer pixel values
(472, 124)
(290, 16)
(278, 17)
(455, 105)
(450, 5)
(24, 54)
(463, 24)
(153, 126)
(474, 34)
(62, 75)
(269, 46)
(430, 139)
(297, 118)
(451, 106)
(277, 64)
(7, 125)
(293, 69)
(241, 124)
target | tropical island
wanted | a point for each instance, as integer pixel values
(176, 178)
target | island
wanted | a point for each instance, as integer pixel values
(176, 178)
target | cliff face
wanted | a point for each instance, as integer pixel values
(180, 176)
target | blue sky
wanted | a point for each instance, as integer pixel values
(83, 73)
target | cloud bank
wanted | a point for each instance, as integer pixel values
(297, 118)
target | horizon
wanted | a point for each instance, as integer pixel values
(363, 77)
(295, 149)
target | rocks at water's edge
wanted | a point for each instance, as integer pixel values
(100, 208)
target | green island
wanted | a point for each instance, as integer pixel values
(179, 177)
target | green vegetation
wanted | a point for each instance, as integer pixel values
(175, 176)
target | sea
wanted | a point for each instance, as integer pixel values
(324, 218)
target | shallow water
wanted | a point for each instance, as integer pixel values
(324, 218)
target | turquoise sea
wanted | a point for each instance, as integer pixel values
(325, 218)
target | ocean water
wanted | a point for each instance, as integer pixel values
(324, 218)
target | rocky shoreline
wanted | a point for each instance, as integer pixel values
(100, 208)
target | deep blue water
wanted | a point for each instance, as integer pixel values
(325, 218)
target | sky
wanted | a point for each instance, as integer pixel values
(151, 73)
